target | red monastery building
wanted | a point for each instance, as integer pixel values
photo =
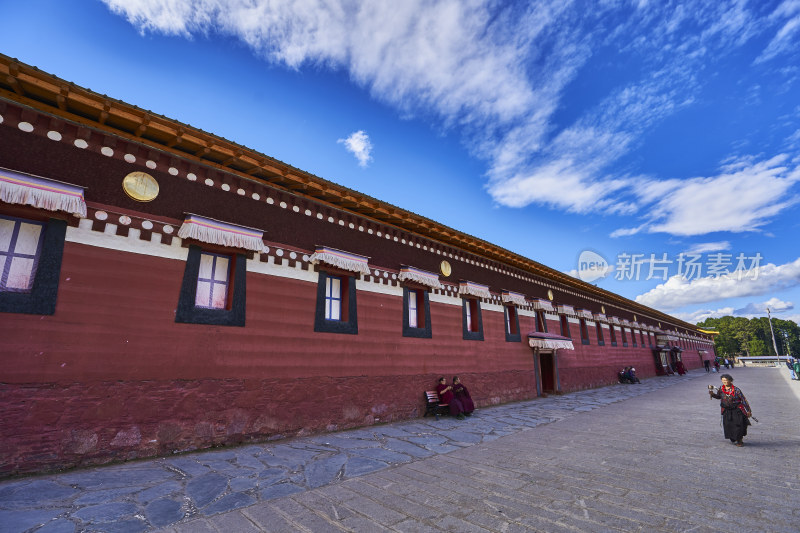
(163, 289)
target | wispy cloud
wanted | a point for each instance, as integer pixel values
(703, 247)
(499, 73)
(784, 41)
(699, 315)
(775, 305)
(678, 292)
(359, 145)
(750, 310)
(794, 318)
(743, 197)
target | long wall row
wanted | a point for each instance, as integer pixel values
(111, 374)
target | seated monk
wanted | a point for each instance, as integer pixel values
(462, 394)
(446, 395)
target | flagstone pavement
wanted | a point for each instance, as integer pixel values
(619, 458)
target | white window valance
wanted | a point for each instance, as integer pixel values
(474, 289)
(549, 341)
(340, 259)
(584, 313)
(614, 320)
(566, 309)
(213, 231)
(542, 305)
(601, 317)
(515, 298)
(24, 189)
(423, 277)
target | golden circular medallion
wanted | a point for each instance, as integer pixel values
(634, 318)
(140, 186)
(445, 268)
(603, 309)
(550, 294)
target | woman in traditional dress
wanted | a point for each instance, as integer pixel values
(446, 395)
(462, 394)
(735, 409)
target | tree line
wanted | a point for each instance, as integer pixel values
(752, 337)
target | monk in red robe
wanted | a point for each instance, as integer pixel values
(462, 394)
(446, 395)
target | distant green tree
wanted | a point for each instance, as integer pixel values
(753, 336)
(758, 348)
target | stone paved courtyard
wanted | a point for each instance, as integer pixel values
(621, 458)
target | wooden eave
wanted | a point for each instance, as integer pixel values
(31, 87)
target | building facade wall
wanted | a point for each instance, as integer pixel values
(111, 375)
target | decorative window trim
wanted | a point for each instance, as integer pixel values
(600, 340)
(348, 326)
(212, 231)
(188, 313)
(541, 321)
(584, 331)
(510, 297)
(470, 288)
(510, 313)
(41, 299)
(424, 305)
(566, 310)
(540, 304)
(340, 259)
(422, 277)
(42, 193)
(467, 334)
(564, 323)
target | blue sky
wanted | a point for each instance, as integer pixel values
(635, 130)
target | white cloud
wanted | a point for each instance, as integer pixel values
(794, 318)
(359, 145)
(775, 305)
(699, 315)
(678, 292)
(703, 247)
(751, 310)
(743, 197)
(785, 39)
(455, 58)
(624, 232)
(499, 71)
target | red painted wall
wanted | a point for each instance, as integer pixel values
(112, 376)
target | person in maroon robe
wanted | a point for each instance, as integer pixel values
(680, 368)
(462, 394)
(446, 395)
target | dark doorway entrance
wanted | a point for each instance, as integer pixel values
(547, 369)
